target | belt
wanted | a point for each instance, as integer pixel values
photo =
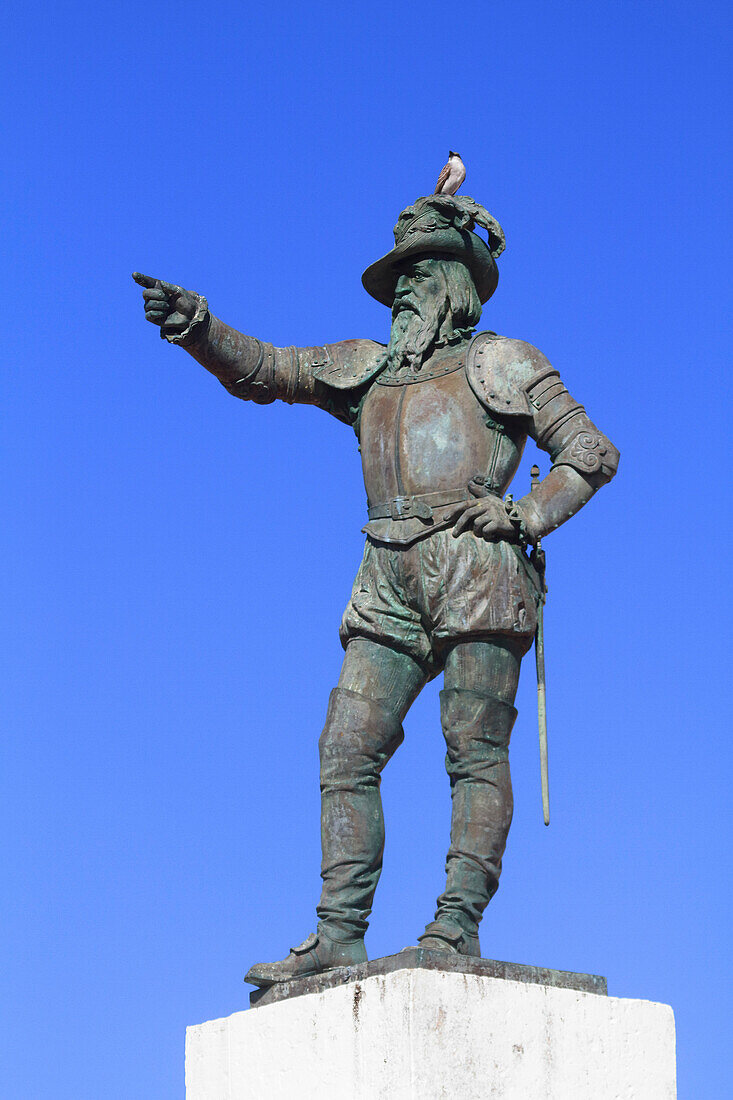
(420, 505)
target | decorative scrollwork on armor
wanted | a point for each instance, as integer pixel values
(589, 452)
(588, 449)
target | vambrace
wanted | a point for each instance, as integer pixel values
(247, 367)
(588, 451)
(562, 428)
(558, 497)
(583, 459)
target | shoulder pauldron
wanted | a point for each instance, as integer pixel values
(349, 364)
(500, 374)
(511, 378)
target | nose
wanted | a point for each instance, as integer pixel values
(403, 287)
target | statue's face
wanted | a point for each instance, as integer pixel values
(418, 311)
(435, 303)
(419, 284)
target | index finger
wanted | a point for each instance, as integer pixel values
(145, 280)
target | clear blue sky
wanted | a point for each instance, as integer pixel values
(165, 545)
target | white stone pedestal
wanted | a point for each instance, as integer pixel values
(425, 1034)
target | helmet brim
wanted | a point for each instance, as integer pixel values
(380, 278)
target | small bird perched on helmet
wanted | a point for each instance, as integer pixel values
(452, 175)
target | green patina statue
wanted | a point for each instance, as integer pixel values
(442, 415)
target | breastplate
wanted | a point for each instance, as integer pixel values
(430, 435)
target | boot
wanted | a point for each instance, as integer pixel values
(444, 935)
(315, 954)
(477, 728)
(358, 739)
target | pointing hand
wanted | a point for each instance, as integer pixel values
(166, 305)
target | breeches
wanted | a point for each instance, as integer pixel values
(423, 598)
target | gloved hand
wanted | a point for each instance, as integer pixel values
(169, 306)
(486, 516)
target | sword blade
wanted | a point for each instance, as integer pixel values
(539, 650)
(542, 710)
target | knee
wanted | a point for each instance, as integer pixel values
(477, 729)
(358, 738)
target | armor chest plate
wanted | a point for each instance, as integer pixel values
(430, 436)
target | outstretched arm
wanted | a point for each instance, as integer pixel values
(249, 368)
(245, 366)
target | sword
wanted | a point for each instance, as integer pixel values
(479, 488)
(538, 560)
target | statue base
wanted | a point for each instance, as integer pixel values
(430, 1025)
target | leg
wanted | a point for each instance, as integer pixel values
(363, 729)
(477, 715)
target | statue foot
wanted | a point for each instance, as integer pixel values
(314, 955)
(450, 937)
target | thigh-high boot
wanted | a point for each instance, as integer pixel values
(477, 728)
(359, 737)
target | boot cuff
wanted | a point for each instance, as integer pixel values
(464, 706)
(350, 710)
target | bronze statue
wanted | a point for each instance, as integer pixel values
(446, 584)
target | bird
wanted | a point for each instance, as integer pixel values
(452, 175)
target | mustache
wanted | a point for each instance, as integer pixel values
(402, 305)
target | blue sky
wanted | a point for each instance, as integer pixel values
(175, 562)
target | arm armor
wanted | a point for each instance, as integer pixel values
(326, 376)
(583, 459)
(247, 367)
(562, 428)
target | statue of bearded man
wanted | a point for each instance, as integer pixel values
(442, 415)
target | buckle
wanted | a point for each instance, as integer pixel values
(307, 945)
(405, 507)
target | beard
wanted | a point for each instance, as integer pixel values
(415, 331)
